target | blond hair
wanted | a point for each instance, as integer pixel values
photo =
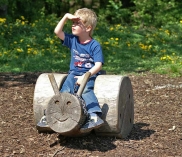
(88, 17)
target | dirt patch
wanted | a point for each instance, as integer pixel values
(157, 130)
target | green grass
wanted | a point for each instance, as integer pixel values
(33, 47)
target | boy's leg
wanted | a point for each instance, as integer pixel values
(88, 95)
(93, 108)
(68, 85)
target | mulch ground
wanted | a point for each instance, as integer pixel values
(157, 129)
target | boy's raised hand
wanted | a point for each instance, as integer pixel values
(72, 17)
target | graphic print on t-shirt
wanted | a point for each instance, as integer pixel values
(82, 60)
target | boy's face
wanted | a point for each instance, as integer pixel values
(78, 28)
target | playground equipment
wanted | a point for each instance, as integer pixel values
(65, 112)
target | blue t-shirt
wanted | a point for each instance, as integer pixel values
(83, 56)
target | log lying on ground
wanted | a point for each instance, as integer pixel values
(115, 96)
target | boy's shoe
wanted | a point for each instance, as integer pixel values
(43, 122)
(93, 122)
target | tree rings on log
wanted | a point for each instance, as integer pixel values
(65, 114)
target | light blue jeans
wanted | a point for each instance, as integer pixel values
(88, 95)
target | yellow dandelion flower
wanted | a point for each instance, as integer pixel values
(162, 58)
(111, 28)
(167, 32)
(35, 52)
(15, 42)
(51, 42)
(181, 21)
(149, 47)
(142, 46)
(33, 24)
(29, 50)
(19, 50)
(2, 20)
(22, 17)
(145, 47)
(168, 57)
(106, 43)
(116, 39)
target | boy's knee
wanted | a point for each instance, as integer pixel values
(65, 90)
(86, 90)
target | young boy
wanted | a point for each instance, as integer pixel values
(86, 55)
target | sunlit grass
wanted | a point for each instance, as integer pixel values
(33, 46)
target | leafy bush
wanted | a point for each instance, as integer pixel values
(137, 12)
(156, 12)
(32, 46)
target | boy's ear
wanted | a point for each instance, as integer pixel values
(89, 28)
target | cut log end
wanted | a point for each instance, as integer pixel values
(64, 113)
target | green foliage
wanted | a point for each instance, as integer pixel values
(32, 46)
(156, 12)
(115, 13)
(3, 2)
(138, 12)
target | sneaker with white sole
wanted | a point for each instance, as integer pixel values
(43, 122)
(93, 122)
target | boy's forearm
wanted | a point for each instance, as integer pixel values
(59, 28)
(95, 69)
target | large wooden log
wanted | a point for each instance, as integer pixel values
(115, 96)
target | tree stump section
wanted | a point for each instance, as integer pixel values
(65, 114)
(115, 96)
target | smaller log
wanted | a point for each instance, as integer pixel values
(65, 114)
